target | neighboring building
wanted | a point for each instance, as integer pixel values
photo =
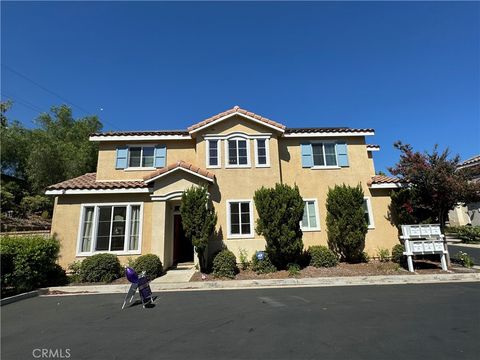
(467, 214)
(130, 206)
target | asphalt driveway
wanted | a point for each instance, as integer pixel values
(437, 321)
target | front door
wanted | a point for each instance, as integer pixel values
(182, 247)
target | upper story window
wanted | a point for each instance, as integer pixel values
(325, 154)
(110, 228)
(237, 152)
(140, 157)
(262, 153)
(213, 153)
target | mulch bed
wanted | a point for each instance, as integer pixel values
(371, 268)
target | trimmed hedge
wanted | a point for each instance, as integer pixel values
(100, 268)
(321, 256)
(150, 263)
(264, 266)
(225, 264)
(29, 262)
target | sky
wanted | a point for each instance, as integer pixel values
(410, 70)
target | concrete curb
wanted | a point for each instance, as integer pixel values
(274, 283)
(27, 295)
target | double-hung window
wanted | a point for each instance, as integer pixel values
(213, 153)
(310, 220)
(238, 152)
(324, 154)
(262, 153)
(240, 218)
(141, 156)
(367, 209)
(110, 228)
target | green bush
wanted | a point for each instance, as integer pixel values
(243, 259)
(225, 264)
(280, 210)
(29, 262)
(74, 271)
(397, 254)
(468, 234)
(264, 266)
(150, 263)
(383, 254)
(364, 257)
(346, 223)
(293, 270)
(464, 259)
(36, 204)
(321, 256)
(100, 268)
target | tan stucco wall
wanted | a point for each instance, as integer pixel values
(66, 218)
(230, 184)
(176, 150)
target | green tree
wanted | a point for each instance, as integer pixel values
(60, 148)
(346, 223)
(435, 183)
(198, 220)
(280, 210)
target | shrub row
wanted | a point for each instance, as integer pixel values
(468, 234)
(29, 262)
(106, 268)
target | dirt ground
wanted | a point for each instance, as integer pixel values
(371, 268)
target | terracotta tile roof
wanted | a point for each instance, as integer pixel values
(382, 179)
(180, 164)
(236, 109)
(88, 181)
(470, 162)
(139, 133)
(325, 129)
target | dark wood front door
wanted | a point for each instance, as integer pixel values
(182, 248)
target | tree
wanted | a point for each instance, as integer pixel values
(4, 107)
(61, 144)
(346, 223)
(280, 210)
(198, 220)
(435, 184)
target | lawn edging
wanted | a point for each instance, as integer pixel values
(272, 283)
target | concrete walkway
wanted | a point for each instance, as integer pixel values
(275, 283)
(181, 275)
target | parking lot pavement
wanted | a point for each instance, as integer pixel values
(428, 321)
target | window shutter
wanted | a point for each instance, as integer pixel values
(307, 155)
(342, 154)
(122, 157)
(160, 156)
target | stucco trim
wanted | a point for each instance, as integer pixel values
(138, 137)
(236, 114)
(387, 186)
(96, 191)
(175, 169)
(329, 134)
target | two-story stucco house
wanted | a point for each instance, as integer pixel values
(130, 206)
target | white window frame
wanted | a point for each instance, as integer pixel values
(317, 216)
(251, 235)
(219, 153)
(323, 142)
(370, 212)
(140, 168)
(227, 156)
(267, 153)
(96, 207)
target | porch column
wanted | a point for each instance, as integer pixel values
(158, 229)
